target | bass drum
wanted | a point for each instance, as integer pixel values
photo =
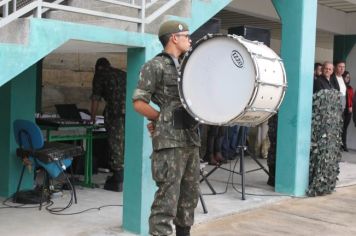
(229, 80)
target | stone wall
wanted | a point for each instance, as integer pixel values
(67, 78)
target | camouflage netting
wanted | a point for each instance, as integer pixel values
(325, 152)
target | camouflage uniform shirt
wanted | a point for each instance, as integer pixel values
(110, 84)
(159, 82)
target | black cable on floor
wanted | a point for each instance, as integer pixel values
(59, 209)
(226, 187)
(89, 209)
(56, 210)
(22, 206)
(231, 176)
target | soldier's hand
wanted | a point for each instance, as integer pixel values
(93, 119)
(151, 128)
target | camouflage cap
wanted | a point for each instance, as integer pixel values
(171, 27)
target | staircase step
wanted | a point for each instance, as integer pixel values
(96, 20)
(181, 9)
(91, 4)
(16, 32)
(114, 24)
(92, 20)
(105, 7)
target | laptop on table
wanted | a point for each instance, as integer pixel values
(69, 112)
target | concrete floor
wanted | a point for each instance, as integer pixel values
(227, 213)
(328, 215)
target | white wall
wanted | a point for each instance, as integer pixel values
(321, 54)
(258, 8)
(331, 20)
(350, 23)
(351, 67)
(276, 45)
(328, 19)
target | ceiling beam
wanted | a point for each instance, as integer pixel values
(329, 19)
(351, 1)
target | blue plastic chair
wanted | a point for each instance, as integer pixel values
(30, 140)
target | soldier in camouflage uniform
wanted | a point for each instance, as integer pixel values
(175, 158)
(110, 84)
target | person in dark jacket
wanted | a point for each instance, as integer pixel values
(324, 81)
(338, 81)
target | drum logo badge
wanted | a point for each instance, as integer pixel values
(237, 59)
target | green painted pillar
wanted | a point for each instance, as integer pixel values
(343, 45)
(17, 100)
(298, 19)
(139, 187)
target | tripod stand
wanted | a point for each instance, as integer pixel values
(241, 148)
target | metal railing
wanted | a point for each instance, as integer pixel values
(14, 9)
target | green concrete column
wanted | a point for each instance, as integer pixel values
(139, 187)
(298, 19)
(17, 101)
(343, 45)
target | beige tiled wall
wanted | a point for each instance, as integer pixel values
(67, 78)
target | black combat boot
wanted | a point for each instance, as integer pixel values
(270, 181)
(182, 231)
(115, 182)
(271, 177)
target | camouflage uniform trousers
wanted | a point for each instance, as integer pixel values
(116, 139)
(176, 172)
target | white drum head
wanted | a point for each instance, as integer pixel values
(218, 80)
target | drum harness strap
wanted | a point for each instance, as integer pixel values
(181, 118)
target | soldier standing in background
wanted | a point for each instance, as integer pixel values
(272, 151)
(110, 84)
(175, 158)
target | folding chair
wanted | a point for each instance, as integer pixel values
(52, 157)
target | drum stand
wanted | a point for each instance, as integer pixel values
(240, 149)
(243, 172)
